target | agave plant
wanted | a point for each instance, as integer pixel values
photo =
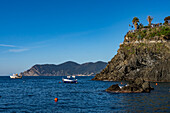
(149, 19)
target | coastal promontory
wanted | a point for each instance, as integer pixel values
(145, 53)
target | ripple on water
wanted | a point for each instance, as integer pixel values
(36, 94)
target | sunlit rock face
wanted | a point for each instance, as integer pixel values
(149, 60)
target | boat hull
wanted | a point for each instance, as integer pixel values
(69, 81)
(14, 77)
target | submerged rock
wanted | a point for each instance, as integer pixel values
(134, 86)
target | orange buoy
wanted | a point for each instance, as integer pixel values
(121, 82)
(156, 84)
(56, 99)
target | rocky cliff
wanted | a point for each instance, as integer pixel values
(149, 60)
(67, 68)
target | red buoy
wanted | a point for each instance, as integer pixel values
(59, 82)
(121, 82)
(56, 99)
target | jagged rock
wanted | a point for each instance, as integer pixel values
(134, 86)
(146, 86)
(114, 88)
(150, 62)
(139, 81)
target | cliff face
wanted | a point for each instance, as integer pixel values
(67, 68)
(150, 61)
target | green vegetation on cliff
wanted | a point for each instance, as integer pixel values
(155, 33)
(157, 48)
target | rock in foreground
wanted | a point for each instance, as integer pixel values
(135, 86)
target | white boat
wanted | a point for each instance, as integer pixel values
(69, 79)
(14, 76)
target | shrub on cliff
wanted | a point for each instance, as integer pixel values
(149, 33)
(147, 26)
(165, 30)
(166, 19)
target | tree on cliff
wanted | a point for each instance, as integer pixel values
(166, 19)
(135, 22)
(149, 19)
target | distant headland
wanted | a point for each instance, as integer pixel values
(67, 68)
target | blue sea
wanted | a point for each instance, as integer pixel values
(37, 94)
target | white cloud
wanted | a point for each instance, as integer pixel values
(17, 50)
(14, 49)
(5, 45)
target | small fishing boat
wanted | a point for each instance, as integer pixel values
(14, 76)
(69, 79)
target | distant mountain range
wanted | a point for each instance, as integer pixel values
(64, 69)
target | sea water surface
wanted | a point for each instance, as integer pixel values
(37, 94)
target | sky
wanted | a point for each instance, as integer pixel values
(55, 31)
